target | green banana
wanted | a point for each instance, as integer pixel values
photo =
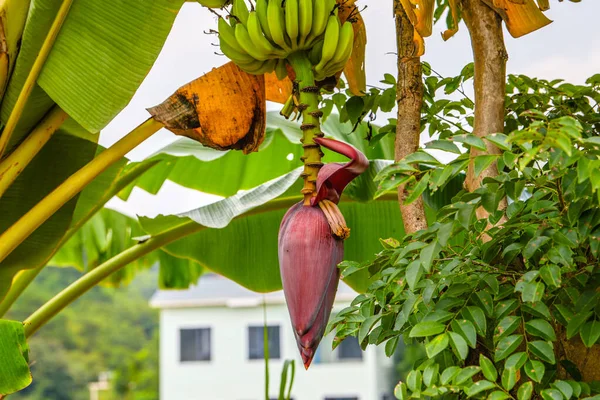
(305, 8)
(277, 24)
(243, 38)
(291, 21)
(261, 12)
(314, 54)
(281, 70)
(213, 3)
(330, 42)
(227, 35)
(259, 67)
(234, 55)
(256, 35)
(345, 43)
(319, 19)
(240, 11)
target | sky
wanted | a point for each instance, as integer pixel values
(567, 49)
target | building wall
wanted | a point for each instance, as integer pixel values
(229, 375)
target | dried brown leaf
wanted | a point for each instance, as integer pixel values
(276, 90)
(224, 109)
(520, 19)
(354, 71)
(447, 34)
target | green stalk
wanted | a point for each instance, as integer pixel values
(94, 277)
(311, 125)
(34, 73)
(19, 284)
(28, 223)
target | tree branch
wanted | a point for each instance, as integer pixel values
(409, 97)
(490, 56)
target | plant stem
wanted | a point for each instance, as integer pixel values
(94, 277)
(311, 126)
(19, 284)
(489, 54)
(409, 95)
(15, 163)
(34, 73)
(35, 217)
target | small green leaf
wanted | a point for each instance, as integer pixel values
(504, 308)
(430, 374)
(366, 326)
(470, 140)
(449, 374)
(590, 333)
(413, 273)
(535, 370)
(444, 145)
(400, 391)
(551, 394)
(485, 301)
(564, 388)
(516, 360)
(532, 292)
(525, 391)
(487, 367)
(577, 322)
(428, 254)
(459, 345)
(540, 328)
(500, 140)
(477, 317)
(534, 245)
(467, 330)
(437, 345)
(482, 162)
(418, 189)
(551, 275)
(498, 395)
(506, 346)
(478, 387)
(506, 326)
(509, 378)
(543, 350)
(413, 381)
(466, 374)
(427, 328)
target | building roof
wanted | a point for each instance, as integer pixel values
(215, 291)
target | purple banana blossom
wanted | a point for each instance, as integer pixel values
(309, 251)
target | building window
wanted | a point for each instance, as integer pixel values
(256, 342)
(194, 344)
(349, 349)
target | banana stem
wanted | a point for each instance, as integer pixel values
(34, 73)
(35, 217)
(311, 125)
(21, 281)
(15, 163)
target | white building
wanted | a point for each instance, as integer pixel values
(211, 348)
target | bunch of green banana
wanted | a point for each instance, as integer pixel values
(260, 40)
(336, 48)
(213, 3)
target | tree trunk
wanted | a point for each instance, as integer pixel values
(490, 56)
(409, 97)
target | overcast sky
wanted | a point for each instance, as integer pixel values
(566, 49)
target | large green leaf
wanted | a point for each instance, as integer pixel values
(14, 353)
(62, 156)
(189, 164)
(100, 57)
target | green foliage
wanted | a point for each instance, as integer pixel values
(493, 300)
(106, 330)
(14, 353)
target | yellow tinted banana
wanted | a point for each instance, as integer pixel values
(227, 35)
(277, 23)
(240, 11)
(243, 38)
(260, 67)
(257, 37)
(305, 12)
(345, 43)
(330, 42)
(280, 69)
(234, 55)
(261, 12)
(291, 21)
